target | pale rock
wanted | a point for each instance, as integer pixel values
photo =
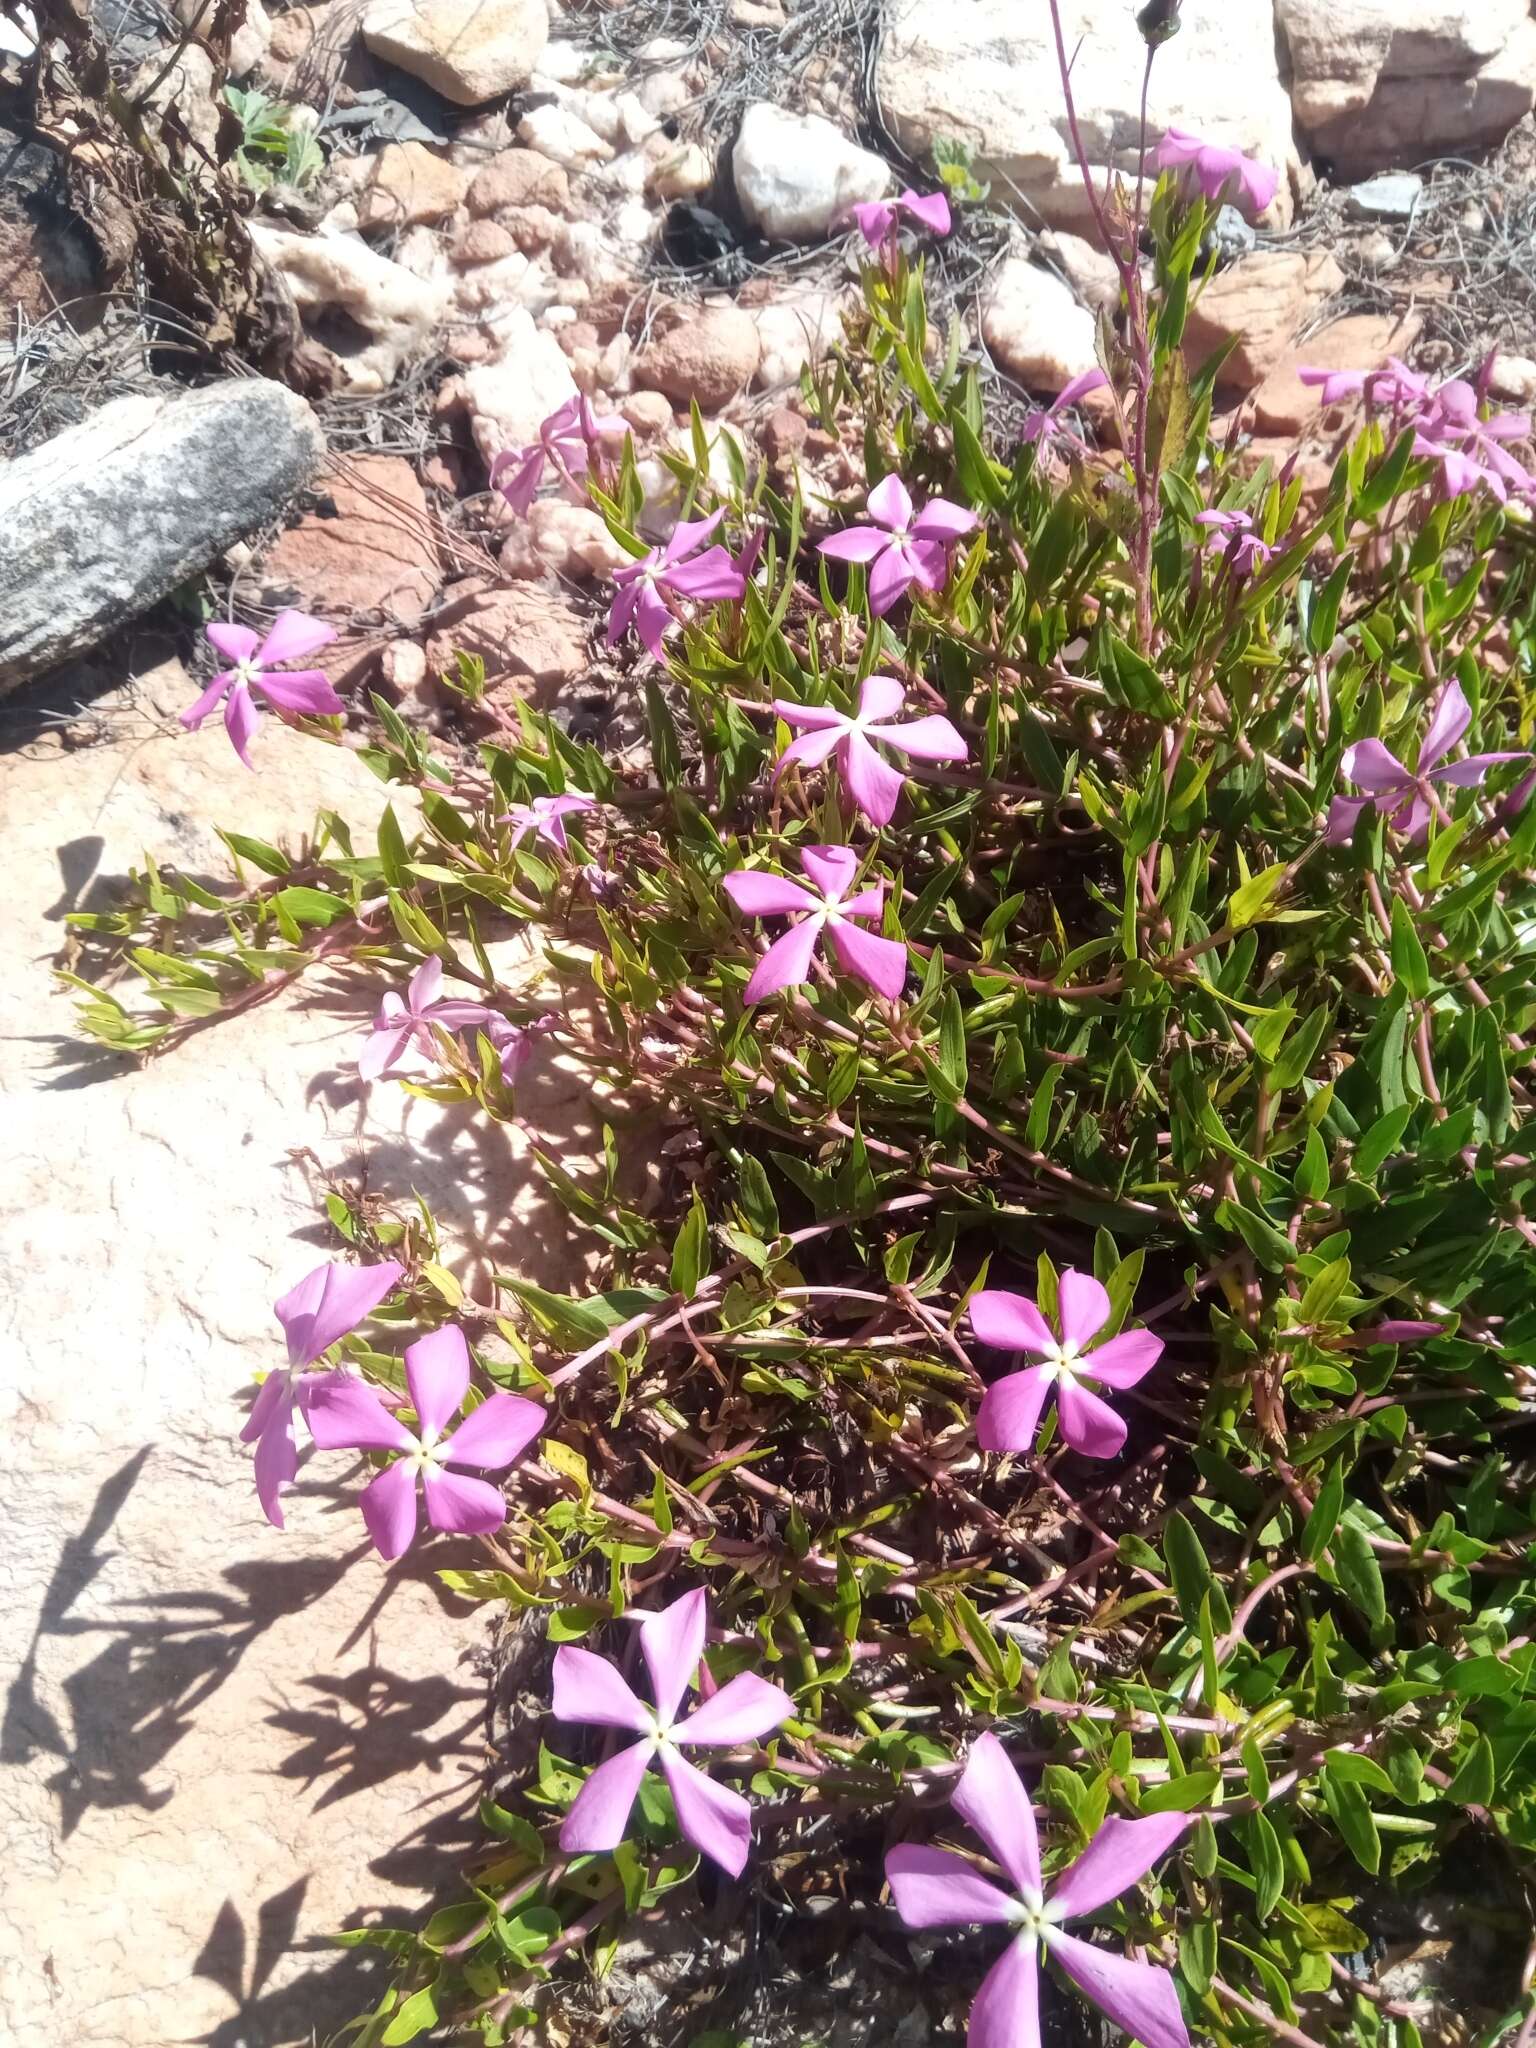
(563, 137)
(532, 228)
(984, 72)
(628, 173)
(421, 252)
(1513, 380)
(1035, 328)
(685, 172)
(636, 121)
(557, 539)
(564, 62)
(649, 413)
(410, 186)
(498, 284)
(223, 1740)
(796, 174)
(404, 665)
(467, 50)
(251, 41)
(1262, 301)
(18, 37)
(510, 398)
(708, 356)
(329, 274)
(795, 332)
(190, 86)
(1092, 272)
(1284, 405)
(634, 224)
(665, 93)
(111, 515)
(518, 178)
(521, 630)
(586, 250)
(1393, 195)
(614, 367)
(1378, 84)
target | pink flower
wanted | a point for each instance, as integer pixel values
(1010, 1410)
(1470, 449)
(568, 438)
(1394, 389)
(936, 1888)
(1407, 796)
(717, 1821)
(849, 738)
(303, 689)
(346, 1415)
(880, 962)
(401, 1039)
(1233, 533)
(1221, 173)
(876, 219)
(1046, 424)
(679, 568)
(515, 1042)
(324, 1307)
(901, 550)
(545, 818)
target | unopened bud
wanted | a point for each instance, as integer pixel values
(1159, 21)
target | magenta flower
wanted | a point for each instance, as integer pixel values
(1010, 1410)
(1394, 389)
(323, 1308)
(297, 689)
(876, 219)
(515, 1042)
(936, 1888)
(900, 549)
(1470, 449)
(401, 1039)
(568, 439)
(717, 1821)
(1232, 532)
(1407, 796)
(346, 1415)
(852, 737)
(545, 818)
(678, 569)
(880, 962)
(1046, 423)
(1221, 173)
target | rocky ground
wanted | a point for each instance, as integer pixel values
(429, 222)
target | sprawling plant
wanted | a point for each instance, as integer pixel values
(1080, 911)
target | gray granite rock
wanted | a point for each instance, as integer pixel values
(110, 516)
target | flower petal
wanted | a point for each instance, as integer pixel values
(1469, 773)
(1124, 1359)
(881, 697)
(936, 1888)
(275, 1391)
(437, 1373)
(588, 1688)
(1453, 714)
(383, 1050)
(689, 534)
(787, 961)
(597, 1819)
(992, 1801)
(330, 1302)
(277, 1457)
(306, 690)
(891, 576)
(1010, 1409)
(873, 784)
(1005, 2012)
(931, 209)
(1121, 1852)
(388, 1503)
(241, 719)
(926, 739)
(235, 643)
(711, 575)
(941, 519)
(344, 1414)
(672, 1642)
(498, 1431)
(651, 618)
(1088, 1424)
(880, 962)
(461, 1506)
(855, 544)
(890, 504)
(1138, 1997)
(1370, 765)
(758, 895)
(293, 635)
(810, 750)
(811, 717)
(1344, 813)
(1084, 1308)
(830, 868)
(716, 1820)
(745, 1709)
(1011, 1322)
(209, 701)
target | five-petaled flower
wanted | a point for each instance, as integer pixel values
(1222, 174)
(325, 1306)
(827, 907)
(679, 568)
(1407, 795)
(901, 547)
(1243, 550)
(1394, 388)
(545, 818)
(1047, 425)
(852, 738)
(291, 635)
(515, 1042)
(876, 219)
(1011, 1408)
(717, 1821)
(401, 1039)
(346, 1415)
(937, 1888)
(568, 440)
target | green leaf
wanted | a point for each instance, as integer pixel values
(1353, 1818)
(393, 853)
(1181, 1795)
(1267, 1862)
(1473, 1784)
(1409, 962)
(1359, 1573)
(1187, 1566)
(1251, 899)
(1317, 1530)
(414, 2017)
(690, 1254)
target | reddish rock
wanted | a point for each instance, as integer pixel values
(579, 337)
(1262, 301)
(518, 177)
(480, 241)
(409, 187)
(367, 548)
(518, 630)
(784, 432)
(1284, 405)
(532, 228)
(709, 355)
